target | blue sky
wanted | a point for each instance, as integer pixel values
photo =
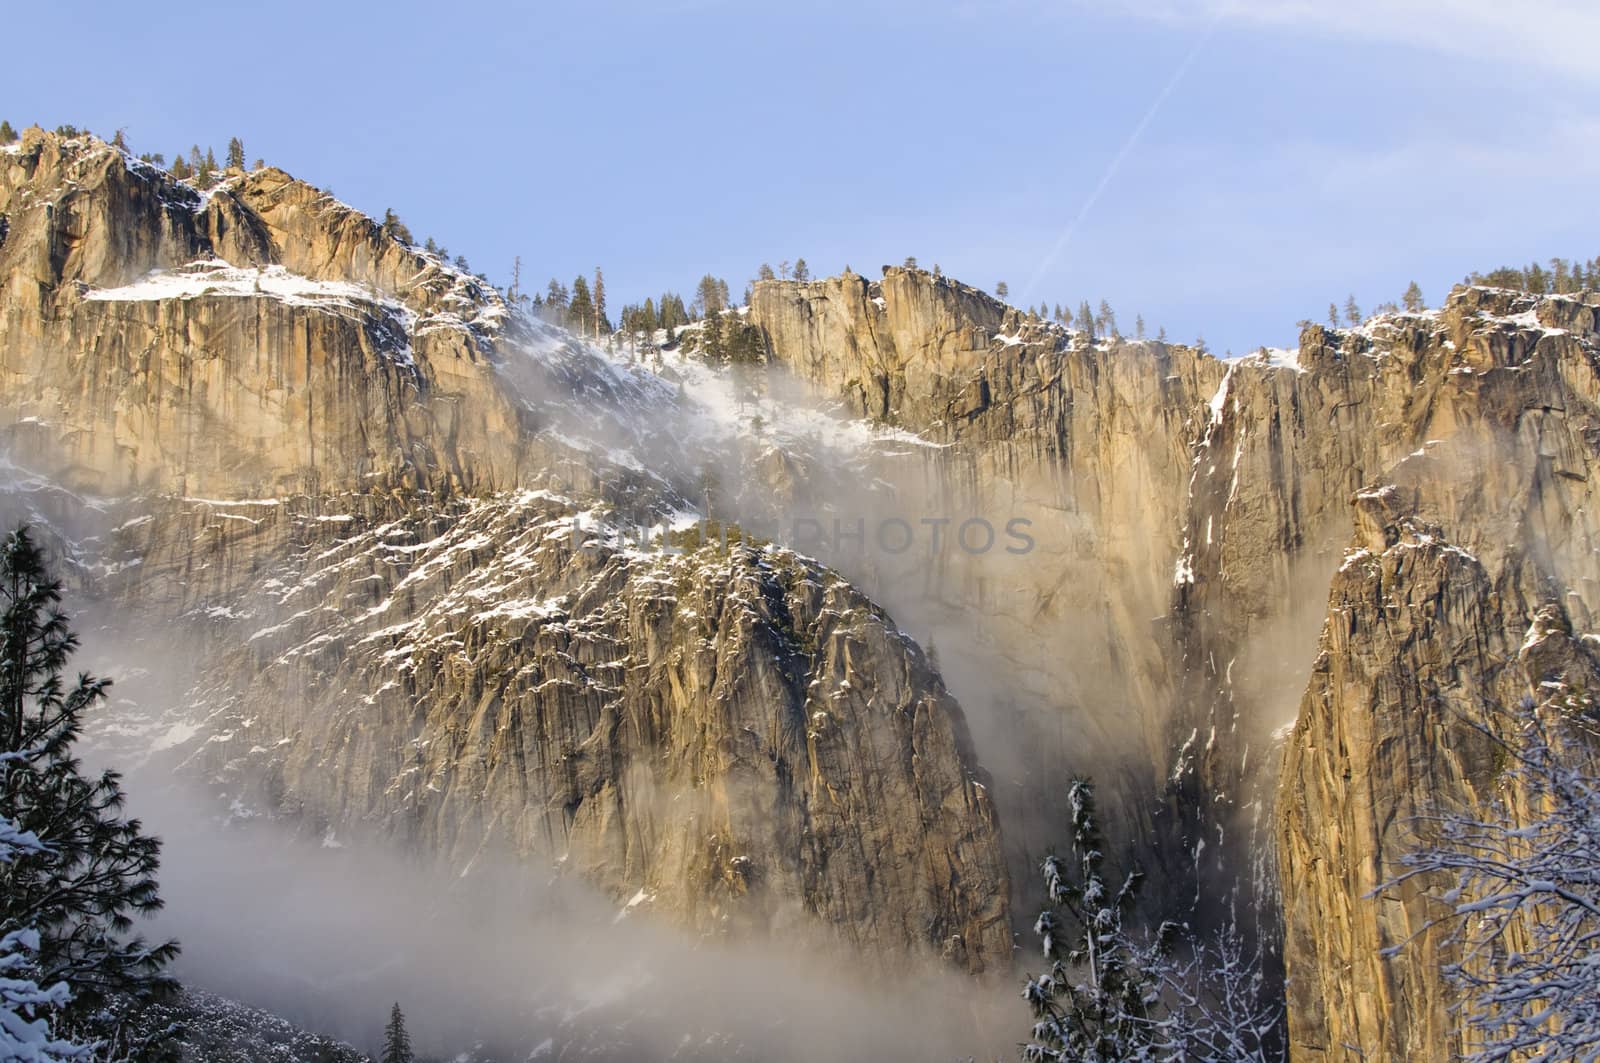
(1288, 152)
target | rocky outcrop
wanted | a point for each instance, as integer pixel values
(1465, 439)
(729, 735)
(371, 524)
(428, 622)
(260, 335)
(1061, 652)
(1473, 564)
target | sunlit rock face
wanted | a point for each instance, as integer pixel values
(1326, 559)
(434, 564)
(1466, 594)
(378, 530)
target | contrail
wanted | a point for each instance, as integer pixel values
(1116, 163)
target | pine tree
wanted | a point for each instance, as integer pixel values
(802, 272)
(712, 347)
(82, 893)
(1333, 315)
(7, 134)
(1108, 1015)
(673, 313)
(27, 1009)
(396, 1041)
(1561, 275)
(180, 168)
(1519, 878)
(1086, 320)
(1108, 320)
(710, 295)
(580, 308)
(394, 228)
(235, 154)
(1138, 326)
(1413, 298)
(197, 167)
(119, 141)
(910, 262)
(1002, 290)
(601, 325)
(1352, 312)
(765, 273)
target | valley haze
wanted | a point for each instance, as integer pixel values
(731, 653)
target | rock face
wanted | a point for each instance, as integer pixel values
(1455, 448)
(731, 735)
(388, 514)
(393, 515)
(260, 336)
(1063, 653)
(1472, 565)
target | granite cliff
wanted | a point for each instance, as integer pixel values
(1416, 490)
(448, 572)
(395, 515)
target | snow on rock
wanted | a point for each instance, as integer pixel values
(1275, 358)
(215, 277)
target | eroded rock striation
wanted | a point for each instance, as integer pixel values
(396, 515)
(1416, 490)
(392, 518)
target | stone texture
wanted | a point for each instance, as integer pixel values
(1456, 448)
(213, 392)
(1354, 540)
(330, 484)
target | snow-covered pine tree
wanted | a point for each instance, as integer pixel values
(1523, 892)
(1096, 1001)
(1114, 993)
(80, 892)
(396, 1041)
(27, 1009)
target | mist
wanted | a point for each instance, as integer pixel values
(329, 930)
(519, 962)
